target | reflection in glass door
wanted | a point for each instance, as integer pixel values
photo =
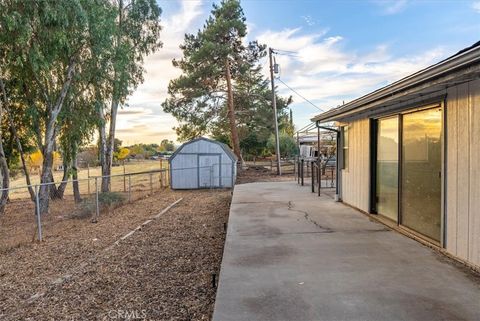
(421, 172)
(387, 168)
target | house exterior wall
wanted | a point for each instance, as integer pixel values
(184, 165)
(462, 204)
(356, 178)
(462, 170)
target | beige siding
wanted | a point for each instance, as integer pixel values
(356, 178)
(463, 172)
(462, 185)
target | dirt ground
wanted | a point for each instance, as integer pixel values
(256, 173)
(162, 272)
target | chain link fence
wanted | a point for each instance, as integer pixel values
(71, 200)
(84, 199)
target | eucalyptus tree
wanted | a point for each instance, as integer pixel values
(78, 120)
(136, 33)
(46, 44)
(213, 59)
(16, 127)
(5, 179)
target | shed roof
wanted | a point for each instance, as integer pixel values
(227, 149)
(423, 86)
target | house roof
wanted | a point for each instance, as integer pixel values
(227, 149)
(423, 86)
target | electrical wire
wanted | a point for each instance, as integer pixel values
(300, 95)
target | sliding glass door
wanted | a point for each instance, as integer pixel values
(387, 167)
(411, 193)
(421, 172)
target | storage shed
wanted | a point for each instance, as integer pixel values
(203, 163)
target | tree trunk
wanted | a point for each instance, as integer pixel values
(5, 177)
(49, 140)
(76, 189)
(43, 193)
(54, 192)
(22, 156)
(103, 152)
(63, 183)
(3, 162)
(111, 141)
(107, 143)
(231, 114)
(17, 139)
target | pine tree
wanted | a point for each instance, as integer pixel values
(213, 60)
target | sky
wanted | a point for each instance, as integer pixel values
(340, 50)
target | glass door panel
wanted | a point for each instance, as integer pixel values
(421, 172)
(387, 168)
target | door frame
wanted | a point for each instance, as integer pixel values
(373, 166)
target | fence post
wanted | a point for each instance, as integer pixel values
(88, 180)
(167, 175)
(124, 182)
(151, 183)
(97, 206)
(298, 171)
(129, 188)
(37, 209)
(313, 179)
(294, 169)
(303, 165)
(331, 184)
(319, 177)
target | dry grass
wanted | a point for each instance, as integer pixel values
(18, 189)
(18, 225)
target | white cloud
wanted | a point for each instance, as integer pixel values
(476, 6)
(144, 106)
(389, 7)
(309, 20)
(322, 69)
(327, 73)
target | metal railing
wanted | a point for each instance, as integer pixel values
(322, 176)
(287, 164)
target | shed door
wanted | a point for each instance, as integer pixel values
(208, 171)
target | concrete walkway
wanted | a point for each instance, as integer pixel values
(290, 255)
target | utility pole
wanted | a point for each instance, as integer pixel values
(274, 103)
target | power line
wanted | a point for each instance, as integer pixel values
(308, 101)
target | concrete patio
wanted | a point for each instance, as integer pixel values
(291, 255)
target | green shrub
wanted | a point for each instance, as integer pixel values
(107, 200)
(110, 199)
